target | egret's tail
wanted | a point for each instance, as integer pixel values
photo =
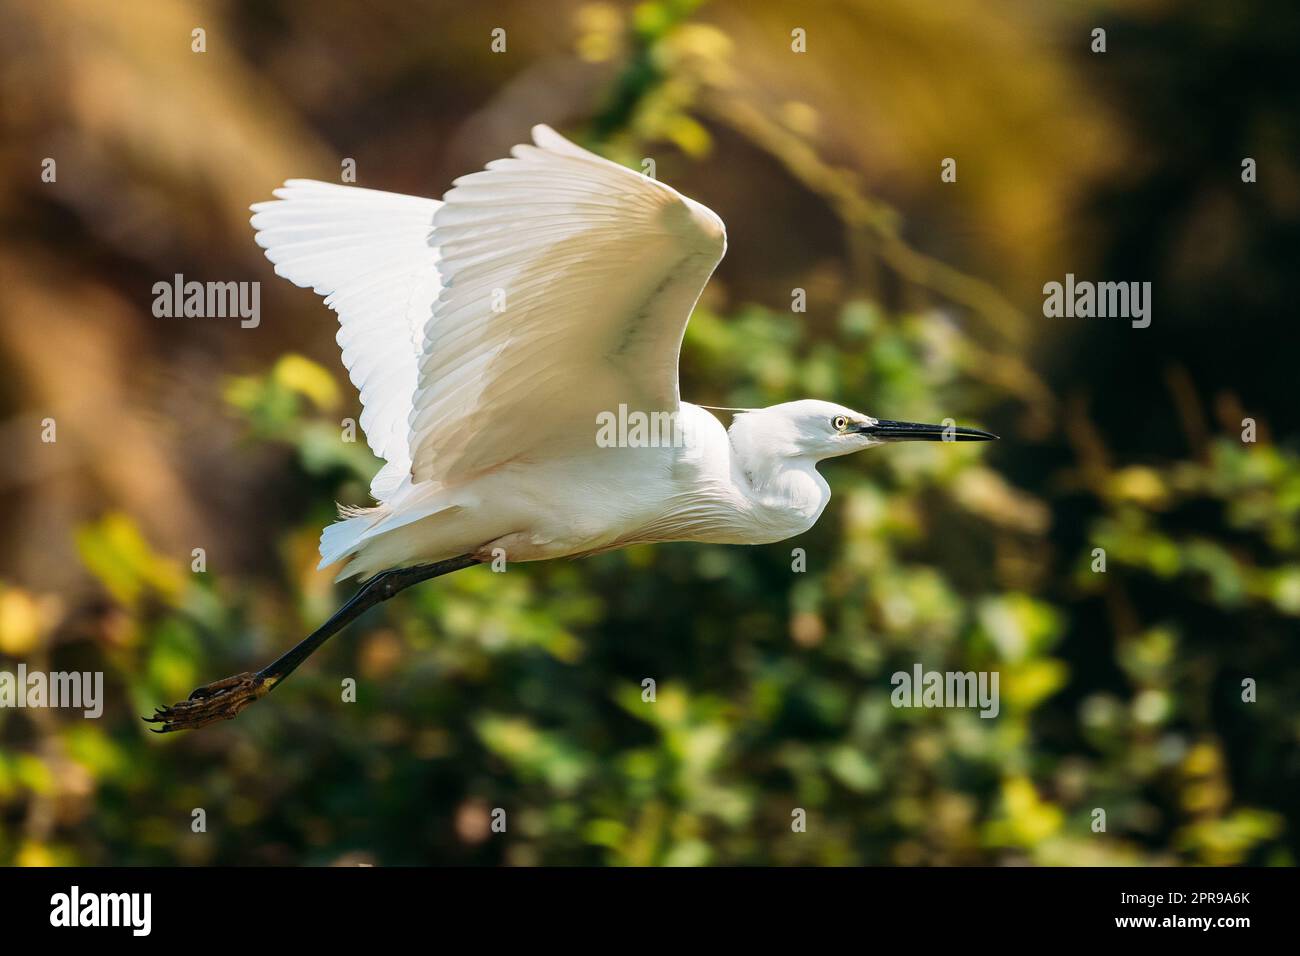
(343, 537)
(380, 538)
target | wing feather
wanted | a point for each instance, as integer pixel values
(567, 282)
(369, 253)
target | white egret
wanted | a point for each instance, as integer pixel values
(490, 334)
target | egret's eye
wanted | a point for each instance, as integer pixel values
(839, 423)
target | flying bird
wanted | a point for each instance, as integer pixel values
(491, 334)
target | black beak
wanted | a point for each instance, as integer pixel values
(916, 431)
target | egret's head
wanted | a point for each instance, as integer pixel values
(819, 430)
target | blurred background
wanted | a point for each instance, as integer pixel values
(1121, 690)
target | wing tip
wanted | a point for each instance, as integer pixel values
(548, 140)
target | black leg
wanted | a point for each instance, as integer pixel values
(224, 699)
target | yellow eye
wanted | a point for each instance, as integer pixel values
(840, 423)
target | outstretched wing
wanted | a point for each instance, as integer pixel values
(567, 282)
(369, 253)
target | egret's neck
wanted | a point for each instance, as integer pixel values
(792, 484)
(776, 474)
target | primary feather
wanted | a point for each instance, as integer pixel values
(369, 253)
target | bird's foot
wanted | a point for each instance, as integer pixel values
(220, 700)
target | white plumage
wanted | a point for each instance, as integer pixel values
(489, 332)
(515, 346)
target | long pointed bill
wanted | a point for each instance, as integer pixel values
(916, 431)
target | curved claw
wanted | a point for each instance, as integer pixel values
(220, 700)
